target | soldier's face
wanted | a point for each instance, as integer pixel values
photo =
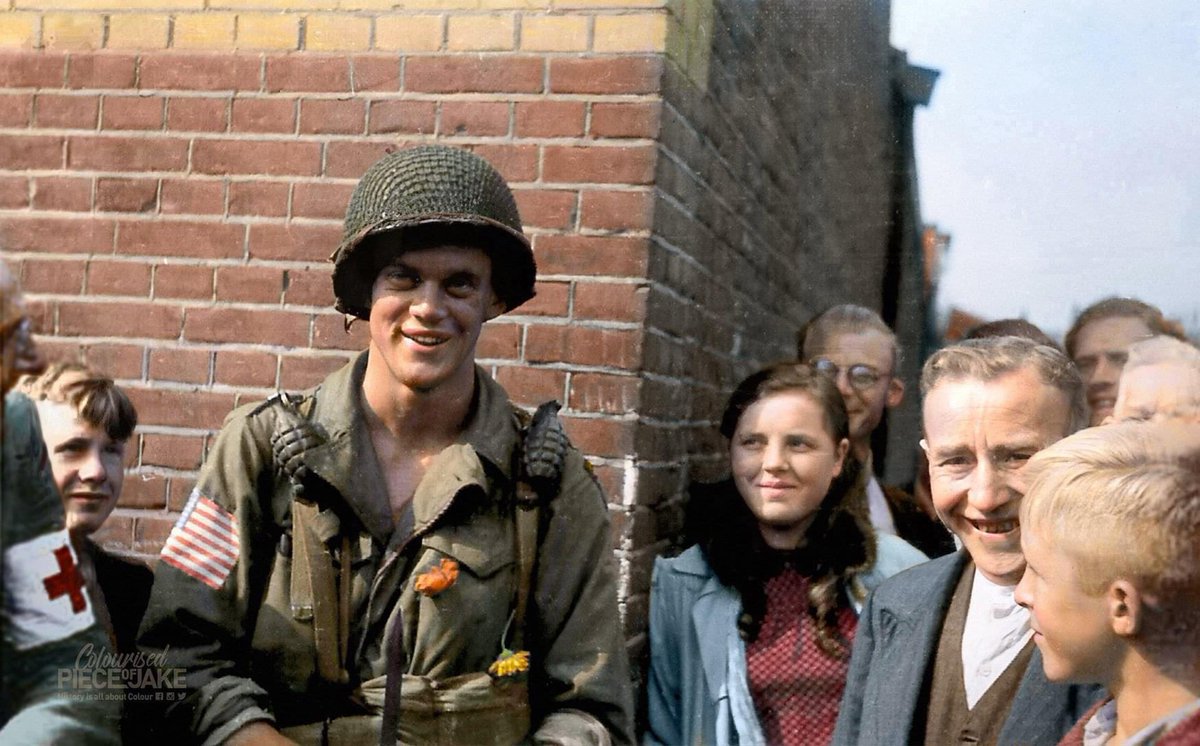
(427, 309)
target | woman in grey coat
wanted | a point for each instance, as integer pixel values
(750, 630)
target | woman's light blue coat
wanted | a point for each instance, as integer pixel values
(698, 689)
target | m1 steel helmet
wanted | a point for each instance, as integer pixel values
(426, 192)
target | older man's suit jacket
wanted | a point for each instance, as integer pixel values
(894, 648)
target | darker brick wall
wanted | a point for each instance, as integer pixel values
(775, 200)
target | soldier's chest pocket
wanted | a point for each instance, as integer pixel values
(468, 571)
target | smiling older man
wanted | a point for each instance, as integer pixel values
(943, 653)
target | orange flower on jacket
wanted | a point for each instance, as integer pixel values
(437, 579)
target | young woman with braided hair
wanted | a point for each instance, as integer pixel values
(750, 630)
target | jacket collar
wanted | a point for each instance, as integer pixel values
(347, 459)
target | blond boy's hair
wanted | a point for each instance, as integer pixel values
(1123, 502)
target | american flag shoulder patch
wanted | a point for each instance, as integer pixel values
(203, 543)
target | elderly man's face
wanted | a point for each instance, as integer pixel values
(979, 435)
(1162, 391)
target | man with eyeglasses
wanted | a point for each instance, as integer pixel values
(856, 348)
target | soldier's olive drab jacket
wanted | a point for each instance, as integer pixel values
(39, 703)
(249, 656)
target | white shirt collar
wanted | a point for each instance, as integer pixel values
(996, 630)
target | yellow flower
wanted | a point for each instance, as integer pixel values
(510, 663)
(437, 579)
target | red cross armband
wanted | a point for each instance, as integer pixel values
(45, 600)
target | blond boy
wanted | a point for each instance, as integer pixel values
(1112, 577)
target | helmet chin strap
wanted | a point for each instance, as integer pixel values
(347, 322)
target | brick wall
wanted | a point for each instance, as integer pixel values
(775, 180)
(698, 177)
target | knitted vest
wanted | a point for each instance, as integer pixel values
(948, 719)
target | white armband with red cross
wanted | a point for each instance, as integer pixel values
(45, 597)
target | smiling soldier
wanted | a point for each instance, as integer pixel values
(400, 550)
(943, 653)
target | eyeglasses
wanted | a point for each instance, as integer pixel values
(861, 376)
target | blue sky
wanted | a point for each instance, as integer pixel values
(1061, 150)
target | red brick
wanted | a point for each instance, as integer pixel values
(126, 195)
(183, 281)
(198, 114)
(61, 111)
(608, 301)
(118, 278)
(246, 368)
(16, 109)
(245, 326)
(616, 211)
(14, 192)
(192, 197)
(126, 153)
(52, 276)
(516, 163)
(20, 152)
(605, 165)
(180, 364)
(132, 113)
(298, 373)
(32, 69)
(41, 315)
(329, 333)
(405, 117)
(473, 74)
(333, 116)
(175, 408)
(548, 209)
(603, 393)
(532, 386)
(119, 319)
(308, 73)
(611, 256)
(209, 240)
(308, 287)
(146, 491)
(272, 158)
(62, 193)
(600, 437)
(606, 75)
(625, 119)
(205, 71)
(499, 341)
(320, 200)
(617, 348)
(150, 532)
(476, 118)
(117, 530)
(179, 492)
(172, 451)
(375, 73)
(117, 361)
(101, 70)
(250, 284)
(551, 300)
(550, 118)
(263, 115)
(258, 198)
(349, 160)
(294, 242)
(83, 235)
